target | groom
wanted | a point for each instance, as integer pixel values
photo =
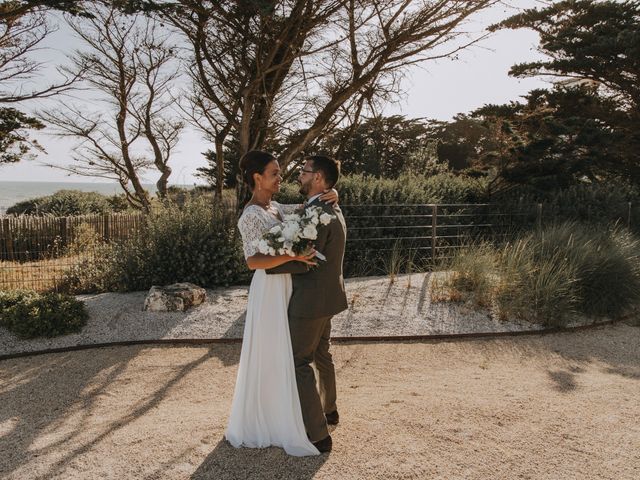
(318, 295)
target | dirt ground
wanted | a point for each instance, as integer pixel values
(557, 406)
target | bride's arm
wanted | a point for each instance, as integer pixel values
(252, 226)
(330, 196)
(260, 261)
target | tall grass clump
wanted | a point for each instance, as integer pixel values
(606, 265)
(473, 273)
(534, 286)
(396, 261)
(552, 275)
(196, 242)
(571, 268)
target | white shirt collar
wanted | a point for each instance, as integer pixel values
(312, 198)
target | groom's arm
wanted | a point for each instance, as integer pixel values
(289, 267)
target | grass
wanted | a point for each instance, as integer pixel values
(549, 276)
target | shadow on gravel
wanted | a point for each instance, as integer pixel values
(226, 462)
(31, 383)
(619, 353)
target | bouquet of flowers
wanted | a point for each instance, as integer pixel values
(295, 235)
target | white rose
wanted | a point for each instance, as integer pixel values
(310, 232)
(291, 231)
(292, 217)
(275, 229)
(272, 251)
(325, 218)
(263, 247)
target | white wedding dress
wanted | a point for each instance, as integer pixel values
(266, 407)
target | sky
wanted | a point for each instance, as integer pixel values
(435, 89)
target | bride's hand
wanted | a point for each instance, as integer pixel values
(308, 258)
(330, 196)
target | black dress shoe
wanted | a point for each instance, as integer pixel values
(324, 445)
(332, 418)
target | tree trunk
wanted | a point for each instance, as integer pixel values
(219, 143)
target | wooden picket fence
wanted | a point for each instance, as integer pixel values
(26, 238)
(36, 252)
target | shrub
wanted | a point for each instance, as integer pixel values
(473, 275)
(29, 314)
(585, 203)
(371, 209)
(605, 262)
(358, 189)
(549, 275)
(196, 242)
(533, 286)
(66, 203)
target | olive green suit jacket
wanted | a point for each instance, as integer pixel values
(319, 291)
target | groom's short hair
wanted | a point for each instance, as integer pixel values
(329, 167)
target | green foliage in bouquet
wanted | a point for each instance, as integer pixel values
(29, 314)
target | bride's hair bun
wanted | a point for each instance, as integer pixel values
(254, 161)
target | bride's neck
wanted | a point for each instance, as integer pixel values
(261, 197)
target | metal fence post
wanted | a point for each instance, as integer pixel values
(434, 236)
(64, 231)
(106, 227)
(539, 216)
(7, 238)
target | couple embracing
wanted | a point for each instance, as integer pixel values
(288, 321)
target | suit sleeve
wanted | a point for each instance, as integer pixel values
(324, 233)
(289, 267)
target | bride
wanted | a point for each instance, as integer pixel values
(266, 407)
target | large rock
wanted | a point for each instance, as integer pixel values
(174, 298)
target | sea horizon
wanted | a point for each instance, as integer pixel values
(14, 191)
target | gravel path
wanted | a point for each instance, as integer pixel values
(377, 307)
(555, 406)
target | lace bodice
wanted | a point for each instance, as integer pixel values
(255, 221)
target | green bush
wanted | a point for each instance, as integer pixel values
(474, 273)
(371, 209)
(196, 242)
(595, 204)
(29, 314)
(535, 287)
(550, 275)
(66, 203)
(605, 264)
(358, 189)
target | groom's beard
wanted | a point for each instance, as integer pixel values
(304, 189)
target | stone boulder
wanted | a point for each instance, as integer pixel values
(174, 298)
